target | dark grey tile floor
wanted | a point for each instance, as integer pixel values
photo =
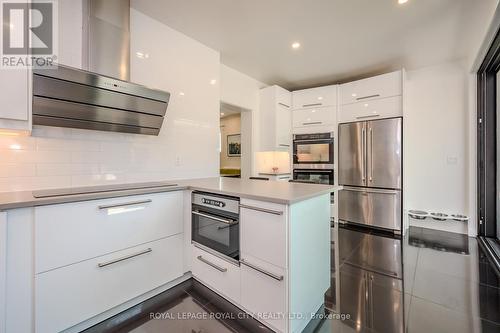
(426, 282)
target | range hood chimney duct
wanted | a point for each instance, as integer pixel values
(106, 30)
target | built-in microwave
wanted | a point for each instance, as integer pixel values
(313, 151)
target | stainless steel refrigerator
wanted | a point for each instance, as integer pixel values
(370, 170)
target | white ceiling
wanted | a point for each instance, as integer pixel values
(341, 39)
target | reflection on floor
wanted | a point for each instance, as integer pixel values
(424, 283)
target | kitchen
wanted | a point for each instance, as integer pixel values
(322, 114)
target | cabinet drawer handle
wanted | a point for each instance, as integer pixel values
(217, 267)
(125, 204)
(283, 145)
(313, 123)
(264, 210)
(114, 261)
(313, 104)
(283, 104)
(370, 116)
(263, 271)
(365, 97)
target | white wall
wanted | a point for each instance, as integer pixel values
(229, 125)
(240, 90)
(436, 140)
(186, 147)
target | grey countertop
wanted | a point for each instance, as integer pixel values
(271, 191)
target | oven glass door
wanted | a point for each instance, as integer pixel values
(314, 176)
(313, 152)
(216, 231)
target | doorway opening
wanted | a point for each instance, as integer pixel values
(235, 141)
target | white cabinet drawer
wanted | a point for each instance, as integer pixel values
(371, 110)
(69, 233)
(217, 273)
(380, 86)
(262, 294)
(315, 97)
(314, 116)
(263, 232)
(67, 296)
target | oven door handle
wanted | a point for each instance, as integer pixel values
(218, 219)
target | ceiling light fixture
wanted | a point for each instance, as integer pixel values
(295, 45)
(402, 1)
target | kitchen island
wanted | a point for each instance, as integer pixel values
(66, 249)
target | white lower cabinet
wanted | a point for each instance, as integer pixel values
(263, 295)
(69, 295)
(72, 232)
(217, 273)
(263, 231)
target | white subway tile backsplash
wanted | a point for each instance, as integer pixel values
(17, 170)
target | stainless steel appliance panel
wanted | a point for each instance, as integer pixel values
(384, 153)
(68, 91)
(56, 108)
(352, 154)
(372, 207)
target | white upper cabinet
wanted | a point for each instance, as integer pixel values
(315, 97)
(381, 86)
(314, 117)
(14, 98)
(275, 119)
(370, 110)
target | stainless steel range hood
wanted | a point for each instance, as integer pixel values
(69, 97)
(100, 98)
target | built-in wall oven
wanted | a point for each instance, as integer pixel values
(314, 176)
(313, 151)
(215, 224)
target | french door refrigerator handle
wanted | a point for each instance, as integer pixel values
(363, 153)
(371, 155)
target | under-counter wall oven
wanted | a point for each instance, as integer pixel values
(215, 224)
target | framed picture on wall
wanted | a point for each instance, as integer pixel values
(234, 145)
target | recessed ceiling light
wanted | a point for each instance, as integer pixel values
(402, 1)
(295, 45)
(213, 81)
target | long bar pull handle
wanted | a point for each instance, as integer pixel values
(125, 204)
(363, 152)
(217, 267)
(263, 271)
(369, 116)
(371, 155)
(215, 218)
(313, 123)
(264, 210)
(114, 261)
(283, 145)
(365, 97)
(313, 104)
(283, 104)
